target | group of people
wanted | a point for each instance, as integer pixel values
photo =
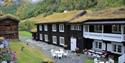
(6, 54)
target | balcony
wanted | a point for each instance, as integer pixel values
(105, 36)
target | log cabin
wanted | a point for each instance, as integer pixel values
(9, 27)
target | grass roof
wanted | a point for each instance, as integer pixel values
(113, 13)
(10, 17)
(59, 17)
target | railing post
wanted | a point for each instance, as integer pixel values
(122, 35)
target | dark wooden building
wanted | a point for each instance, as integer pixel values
(54, 29)
(9, 27)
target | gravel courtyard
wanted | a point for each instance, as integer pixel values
(45, 48)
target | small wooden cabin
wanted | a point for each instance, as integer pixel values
(9, 27)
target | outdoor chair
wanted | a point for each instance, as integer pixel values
(53, 53)
(65, 54)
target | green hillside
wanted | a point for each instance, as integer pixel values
(26, 9)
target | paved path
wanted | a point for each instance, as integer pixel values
(45, 48)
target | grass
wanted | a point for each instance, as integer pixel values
(24, 33)
(88, 60)
(28, 55)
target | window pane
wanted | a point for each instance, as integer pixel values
(116, 28)
(55, 39)
(61, 40)
(61, 27)
(41, 37)
(96, 44)
(46, 37)
(45, 27)
(40, 27)
(114, 48)
(119, 48)
(54, 27)
(100, 45)
(98, 28)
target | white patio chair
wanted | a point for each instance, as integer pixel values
(96, 60)
(65, 54)
(54, 55)
(59, 55)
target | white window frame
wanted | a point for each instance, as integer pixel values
(86, 28)
(41, 36)
(46, 37)
(45, 27)
(97, 45)
(40, 27)
(62, 41)
(54, 28)
(75, 27)
(124, 28)
(54, 39)
(97, 28)
(116, 48)
(61, 27)
(117, 27)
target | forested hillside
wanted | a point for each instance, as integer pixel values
(25, 9)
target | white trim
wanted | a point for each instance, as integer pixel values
(41, 36)
(54, 29)
(61, 27)
(117, 27)
(62, 41)
(54, 38)
(45, 27)
(117, 44)
(46, 37)
(75, 27)
(98, 45)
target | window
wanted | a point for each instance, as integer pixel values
(40, 27)
(86, 28)
(61, 39)
(124, 28)
(54, 39)
(75, 27)
(117, 48)
(98, 28)
(45, 28)
(124, 49)
(98, 45)
(114, 48)
(41, 36)
(46, 37)
(116, 28)
(54, 27)
(61, 27)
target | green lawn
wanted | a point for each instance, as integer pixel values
(24, 33)
(28, 55)
(88, 60)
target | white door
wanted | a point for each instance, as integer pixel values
(73, 44)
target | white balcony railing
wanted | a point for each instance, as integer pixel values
(105, 36)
